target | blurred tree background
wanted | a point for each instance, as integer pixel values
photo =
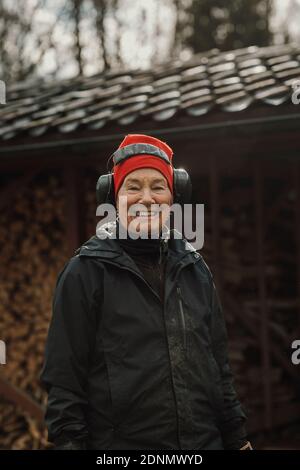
(225, 24)
(61, 39)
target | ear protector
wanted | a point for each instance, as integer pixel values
(181, 180)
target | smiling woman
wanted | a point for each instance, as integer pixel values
(143, 186)
(136, 355)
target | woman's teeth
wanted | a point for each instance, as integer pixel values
(146, 214)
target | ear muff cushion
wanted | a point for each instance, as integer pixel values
(182, 186)
(105, 189)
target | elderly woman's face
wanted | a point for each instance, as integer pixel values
(145, 186)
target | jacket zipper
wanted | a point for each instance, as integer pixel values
(171, 375)
(181, 316)
(143, 279)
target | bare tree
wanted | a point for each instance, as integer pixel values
(115, 6)
(181, 25)
(110, 51)
(76, 9)
(21, 48)
(101, 12)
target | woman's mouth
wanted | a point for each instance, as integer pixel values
(145, 214)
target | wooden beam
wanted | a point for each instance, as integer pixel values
(21, 399)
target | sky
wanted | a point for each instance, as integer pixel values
(282, 16)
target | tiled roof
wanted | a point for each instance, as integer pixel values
(229, 81)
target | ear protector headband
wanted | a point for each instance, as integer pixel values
(181, 180)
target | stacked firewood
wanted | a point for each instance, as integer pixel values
(19, 431)
(32, 251)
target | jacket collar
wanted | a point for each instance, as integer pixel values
(105, 246)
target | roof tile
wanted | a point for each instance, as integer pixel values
(229, 81)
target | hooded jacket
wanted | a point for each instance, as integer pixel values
(124, 369)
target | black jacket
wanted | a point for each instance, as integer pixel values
(125, 371)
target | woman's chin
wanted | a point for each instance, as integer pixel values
(146, 227)
(149, 228)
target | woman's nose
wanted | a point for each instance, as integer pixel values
(147, 197)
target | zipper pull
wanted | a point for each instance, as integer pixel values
(163, 249)
(160, 251)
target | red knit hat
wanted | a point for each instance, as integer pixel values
(143, 161)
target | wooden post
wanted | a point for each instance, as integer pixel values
(215, 217)
(297, 234)
(75, 220)
(264, 326)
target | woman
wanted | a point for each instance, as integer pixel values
(136, 355)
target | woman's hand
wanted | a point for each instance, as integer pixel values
(247, 446)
